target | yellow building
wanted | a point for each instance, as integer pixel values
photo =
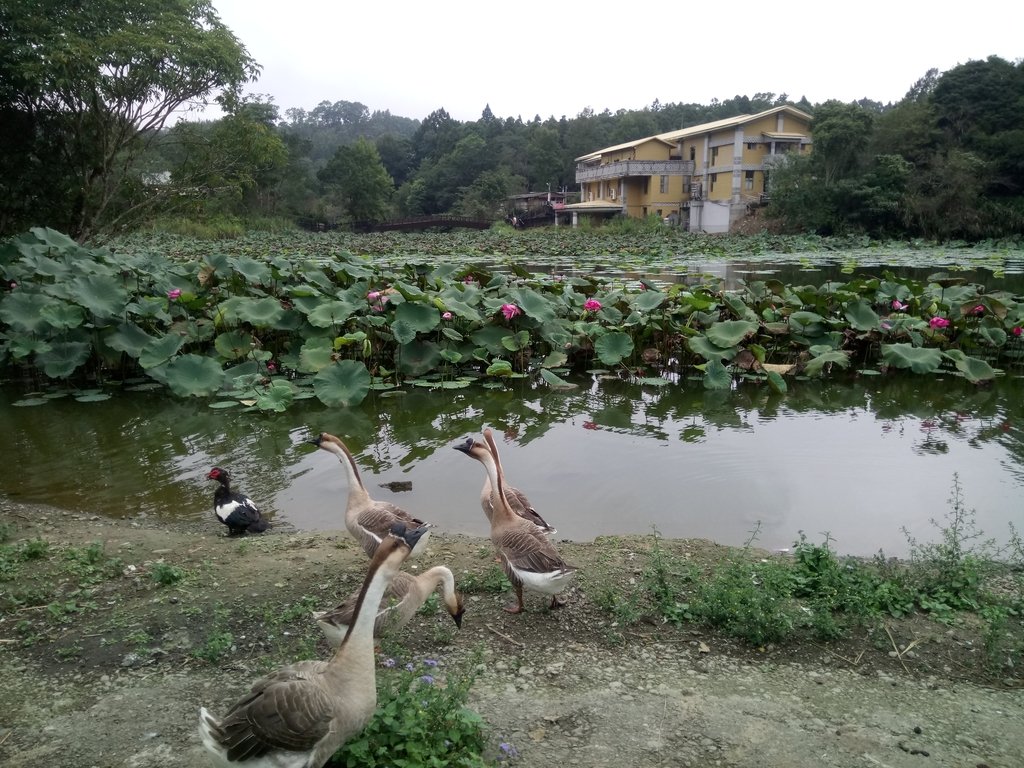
(704, 177)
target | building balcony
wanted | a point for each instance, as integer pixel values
(634, 168)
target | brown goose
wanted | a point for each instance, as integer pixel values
(366, 519)
(404, 597)
(516, 498)
(528, 558)
(297, 716)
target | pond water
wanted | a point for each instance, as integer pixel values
(859, 459)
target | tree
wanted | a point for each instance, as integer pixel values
(84, 87)
(841, 133)
(356, 176)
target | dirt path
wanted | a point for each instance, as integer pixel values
(115, 675)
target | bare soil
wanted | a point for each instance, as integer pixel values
(106, 663)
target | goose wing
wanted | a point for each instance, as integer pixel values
(528, 550)
(376, 520)
(344, 612)
(521, 506)
(283, 713)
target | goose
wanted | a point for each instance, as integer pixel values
(298, 715)
(366, 519)
(516, 498)
(404, 597)
(236, 510)
(528, 558)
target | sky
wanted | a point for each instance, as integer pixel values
(559, 58)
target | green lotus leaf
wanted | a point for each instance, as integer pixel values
(917, 359)
(648, 301)
(555, 359)
(613, 347)
(816, 365)
(21, 347)
(194, 375)
(418, 357)
(451, 333)
(261, 313)
(94, 397)
(861, 316)
(701, 345)
(53, 238)
(993, 335)
(652, 381)
(30, 401)
(489, 337)
(350, 339)
(557, 333)
(103, 295)
(777, 383)
(344, 383)
(456, 302)
(556, 382)
(973, 369)
(716, 375)
(149, 307)
(277, 397)
(62, 315)
(534, 304)
(221, 404)
(500, 368)
(233, 344)
(128, 338)
(422, 318)
(451, 356)
(739, 307)
(160, 350)
(255, 272)
(23, 311)
(330, 313)
(729, 333)
(807, 323)
(517, 341)
(62, 358)
(316, 353)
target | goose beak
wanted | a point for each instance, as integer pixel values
(316, 441)
(457, 617)
(465, 446)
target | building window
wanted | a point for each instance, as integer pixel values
(663, 188)
(693, 153)
(714, 155)
(748, 181)
(711, 186)
(751, 145)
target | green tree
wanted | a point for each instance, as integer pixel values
(356, 177)
(841, 133)
(84, 87)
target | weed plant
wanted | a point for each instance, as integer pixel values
(421, 720)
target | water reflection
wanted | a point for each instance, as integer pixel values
(859, 459)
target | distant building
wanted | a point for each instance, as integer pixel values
(704, 177)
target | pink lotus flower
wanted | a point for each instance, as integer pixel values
(1016, 330)
(898, 306)
(174, 294)
(938, 322)
(980, 309)
(468, 280)
(592, 305)
(510, 311)
(886, 327)
(373, 295)
(271, 367)
(446, 316)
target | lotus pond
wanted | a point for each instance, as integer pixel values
(702, 386)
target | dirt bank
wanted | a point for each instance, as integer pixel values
(114, 632)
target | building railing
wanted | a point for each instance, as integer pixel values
(625, 168)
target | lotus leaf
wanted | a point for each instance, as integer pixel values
(489, 337)
(160, 350)
(21, 347)
(451, 356)
(807, 323)
(194, 375)
(861, 316)
(500, 368)
(516, 342)
(261, 313)
(613, 348)
(422, 318)
(103, 295)
(344, 383)
(330, 313)
(648, 301)
(993, 335)
(316, 353)
(555, 359)
(917, 359)
(23, 311)
(973, 369)
(816, 365)
(729, 333)
(62, 358)
(716, 375)
(255, 272)
(556, 382)
(701, 345)
(277, 397)
(128, 338)
(418, 357)
(94, 397)
(776, 382)
(234, 344)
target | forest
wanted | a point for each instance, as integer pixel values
(90, 143)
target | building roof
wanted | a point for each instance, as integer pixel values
(672, 137)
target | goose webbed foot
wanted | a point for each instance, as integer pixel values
(517, 608)
(557, 602)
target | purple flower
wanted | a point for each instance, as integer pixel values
(510, 311)
(389, 663)
(507, 751)
(592, 305)
(898, 306)
(174, 293)
(446, 316)
(429, 663)
(409, 667)
(428, 679)
(938, 322)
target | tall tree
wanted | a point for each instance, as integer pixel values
(356, 177)
(87, 85)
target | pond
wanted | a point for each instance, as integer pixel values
(860, 458)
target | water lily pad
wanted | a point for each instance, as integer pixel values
(917, 359)
(344, 383)
(30, 401)
(556, 382)
(613, 347)
(194, 375)
(97, 397)
(222, 404)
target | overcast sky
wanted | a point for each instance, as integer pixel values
(558, 58)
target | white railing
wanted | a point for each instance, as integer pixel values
(634, 168)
